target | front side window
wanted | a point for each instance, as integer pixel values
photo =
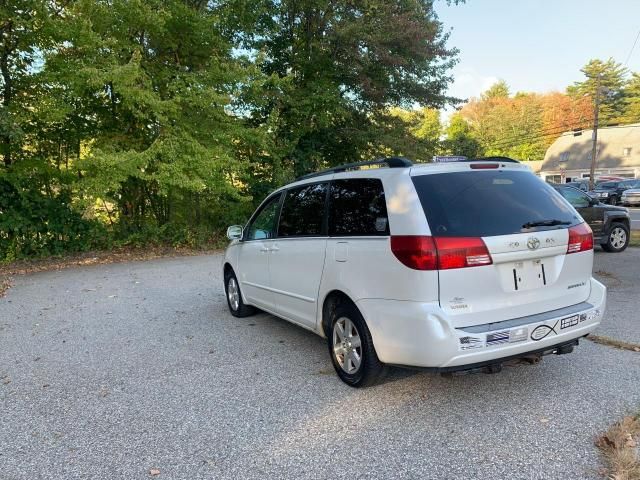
(358, 208)
(303, 211)
(263, 225)
(575, 198)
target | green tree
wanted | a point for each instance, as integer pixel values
(609, 76)
(460, 138)
(632, 100)
(154, 82)
(335, 68)
(500, 89)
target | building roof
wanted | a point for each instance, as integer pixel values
(572, 151)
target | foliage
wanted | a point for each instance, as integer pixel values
(523, 125)
(160, 121)
(609, 77)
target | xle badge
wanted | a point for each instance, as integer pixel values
(543, 331)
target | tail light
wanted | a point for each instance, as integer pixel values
(461, 252)
(415, 252)
(580, 238)
(440, 253)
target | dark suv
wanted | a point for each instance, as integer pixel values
(611, 192)
(610, 224)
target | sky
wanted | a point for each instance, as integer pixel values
(536, 45)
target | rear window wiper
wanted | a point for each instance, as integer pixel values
(545, 223)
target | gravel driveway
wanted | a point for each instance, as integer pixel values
(110, 371)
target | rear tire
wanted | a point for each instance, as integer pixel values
(351, 348)
(617, 239)
(613, 200)
(236, 305)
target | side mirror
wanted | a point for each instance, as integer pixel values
(593, 201)
(234, 232)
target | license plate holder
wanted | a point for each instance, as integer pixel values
(528, 274)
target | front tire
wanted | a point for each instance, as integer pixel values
(618, 238)
(351, 348)
(236, 305)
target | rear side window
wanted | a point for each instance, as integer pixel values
(303, 211)
(575, 197)
(357, 208)
(484, 204)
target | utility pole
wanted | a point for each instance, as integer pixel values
(594, 136)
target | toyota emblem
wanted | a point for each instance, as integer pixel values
(533, 243)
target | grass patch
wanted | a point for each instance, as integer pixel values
(612, 342)
(619, 447)
(635, 238)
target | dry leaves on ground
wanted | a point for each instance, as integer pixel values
(5, 284)
(22, 267)
(619, 446)
(612, 342)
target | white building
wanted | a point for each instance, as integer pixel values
(618, 153)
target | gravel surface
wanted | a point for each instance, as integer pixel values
(620, 272)
(111, 371)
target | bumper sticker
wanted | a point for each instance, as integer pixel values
(470, 343)
(543, 331)
(518, 335)
(497, 338)
(569, 322)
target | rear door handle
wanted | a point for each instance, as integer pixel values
(265, 249)
(275, 249)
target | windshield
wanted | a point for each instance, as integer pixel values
(608, 185)
(484, 204)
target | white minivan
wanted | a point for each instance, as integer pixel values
(456, 266)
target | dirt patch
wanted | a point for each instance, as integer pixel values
(619, 447)
(612, 342)
(608, 278)
(23, 267)
(635, 238)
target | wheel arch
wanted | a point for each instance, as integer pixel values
(613, 218)
(331, 300)
(227, 269)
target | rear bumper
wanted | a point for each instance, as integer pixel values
(420, 334)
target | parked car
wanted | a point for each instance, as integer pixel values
(631, 197)
(610, 224)
(579, 184)
(444, 266)
(611, 192)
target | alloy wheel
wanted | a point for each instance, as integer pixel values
(618, 237)
(347, 345)
(233, 294)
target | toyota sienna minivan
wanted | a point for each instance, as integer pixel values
(450, 266)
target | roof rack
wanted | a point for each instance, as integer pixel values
(391, 162)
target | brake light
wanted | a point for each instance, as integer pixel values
(483, 166)
(440, 253)
(415, 252)
(580, 238)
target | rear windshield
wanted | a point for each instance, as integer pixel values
(488, 203)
